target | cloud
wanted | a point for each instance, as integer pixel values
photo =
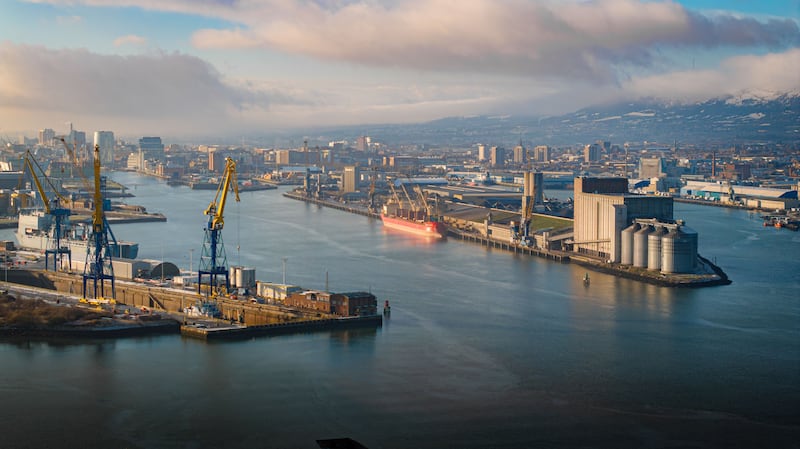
(575, 40)
(579, 40)
(130, 39)
(769, 73)
(163, 92)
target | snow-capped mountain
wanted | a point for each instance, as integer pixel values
(748, 117)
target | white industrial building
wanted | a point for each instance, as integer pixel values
(631, 229)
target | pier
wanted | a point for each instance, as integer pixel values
(712, 275)
(332, 204)
(508, 246)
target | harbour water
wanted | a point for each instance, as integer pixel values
(483, 348)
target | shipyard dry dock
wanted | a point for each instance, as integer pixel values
(239, 319)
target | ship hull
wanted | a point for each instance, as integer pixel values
(433, 229)
(32, 235)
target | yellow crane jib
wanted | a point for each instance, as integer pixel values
(29, 163)
(216, 209)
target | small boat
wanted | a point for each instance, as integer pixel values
(387, 309)
(586, 279)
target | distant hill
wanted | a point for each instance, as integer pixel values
(735, 119)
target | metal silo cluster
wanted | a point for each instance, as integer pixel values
(658, 246)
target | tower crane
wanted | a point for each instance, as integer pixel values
(58, 213)
(99, 265)
(213, 261)
(76, 164)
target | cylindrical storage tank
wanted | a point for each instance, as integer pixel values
(626, 256)
(248, 277)
(691, 236)
(654, 248)
(640, 246)
(679, 251)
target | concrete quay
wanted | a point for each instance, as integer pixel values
(712, 275)
(203, 332)
(239, 319)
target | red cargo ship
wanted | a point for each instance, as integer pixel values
(413, 215)
(435, 229)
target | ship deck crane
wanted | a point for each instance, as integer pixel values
(213, 261)
(58, 213)
(99, 265)
(411, 203)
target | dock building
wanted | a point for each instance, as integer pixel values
(342, 304)
(603, 208)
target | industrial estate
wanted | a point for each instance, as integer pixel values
(611, 210)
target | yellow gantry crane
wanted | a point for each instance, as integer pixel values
(55, 210)
(99, 266)
(213, 261)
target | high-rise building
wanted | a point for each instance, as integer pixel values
(481, 152)
(151, 148)
(362, 143)
(591, 153)
(498, 156)
(541, 153)
(105, 140)
(216, 159)
(519, 154)
(46, 136)
(350, 179)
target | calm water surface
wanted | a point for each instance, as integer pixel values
(483, 348)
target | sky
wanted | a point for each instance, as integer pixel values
(236, 67)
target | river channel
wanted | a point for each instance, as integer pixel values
(483, 348)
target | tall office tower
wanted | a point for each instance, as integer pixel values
(541, 153)
(591, 153)
(498, 156)
(350, 179)
(362, 143)
(151, 148)
(481, 152)
(519, 154)
(46, 136)
(216, 159)
(105, 140)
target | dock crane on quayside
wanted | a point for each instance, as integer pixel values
(99, 267)
(213, 261)
(58, 213)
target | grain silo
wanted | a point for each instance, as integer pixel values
(626, 256)
(654, 248)
(640, 246)
(679, 251)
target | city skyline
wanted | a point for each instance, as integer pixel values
(230, 67)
